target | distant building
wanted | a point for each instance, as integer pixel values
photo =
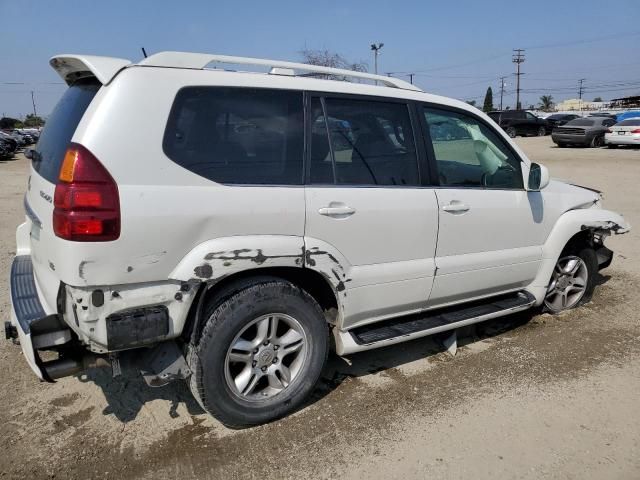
(626, 102)
(574, 104)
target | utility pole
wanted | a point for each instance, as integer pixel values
(411, 78)
(580, 90)
(501, 90)
(518, 58)
(34, 104)
(375, 47)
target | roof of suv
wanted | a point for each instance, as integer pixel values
(191, 69)
(71, 67)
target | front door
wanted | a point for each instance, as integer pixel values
(365, 204)
(491, 228)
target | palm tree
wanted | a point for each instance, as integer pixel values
(546, 102)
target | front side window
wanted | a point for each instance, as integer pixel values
(360, 142)
(238, 135)
(469, 154)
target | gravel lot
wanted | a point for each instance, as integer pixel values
(533, 396)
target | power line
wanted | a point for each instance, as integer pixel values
(585, 40)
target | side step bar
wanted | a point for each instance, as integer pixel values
(402, 329)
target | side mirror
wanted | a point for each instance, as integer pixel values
(29, 153)
(538, 177)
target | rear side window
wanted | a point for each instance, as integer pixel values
(368, 143)
(60, 127)
(238, 135)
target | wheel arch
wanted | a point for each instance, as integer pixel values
(309, 280)
(572, 228)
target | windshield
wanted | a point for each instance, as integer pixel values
(60, 127)
(581, 122)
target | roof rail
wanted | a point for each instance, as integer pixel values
(200, 60)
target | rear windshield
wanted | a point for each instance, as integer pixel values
(581, 122)
(60, 126)
(632, 122)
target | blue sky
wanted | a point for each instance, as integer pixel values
(458, 48)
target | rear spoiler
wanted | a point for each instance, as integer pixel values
(74, 67)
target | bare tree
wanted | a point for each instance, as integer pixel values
(326, 58)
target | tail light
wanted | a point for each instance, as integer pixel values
(609, 130)
(86, 201)
(637, 130)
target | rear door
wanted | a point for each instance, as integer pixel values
(366, 204)
(491, 229)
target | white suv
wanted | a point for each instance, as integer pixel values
(238, 225)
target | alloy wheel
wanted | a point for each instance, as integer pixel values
(568, 284)
(265, 357)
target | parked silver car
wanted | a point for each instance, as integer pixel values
(587, 132)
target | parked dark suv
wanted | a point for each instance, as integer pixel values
(520, 122)
(559, 119)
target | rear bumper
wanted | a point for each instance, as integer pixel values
(25, 307)
(34, 327)
(622, 140)
(571, 139)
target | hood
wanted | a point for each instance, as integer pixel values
(572, 196)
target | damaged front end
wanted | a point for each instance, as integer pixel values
(598, 232)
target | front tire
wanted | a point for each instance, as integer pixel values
(260, 353)
(573, 280)
(542, 131)
(511, 131)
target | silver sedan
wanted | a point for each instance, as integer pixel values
(626, 132)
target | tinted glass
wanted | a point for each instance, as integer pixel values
(60, 127)
(372, 143)
(632, 122)
(531, 116)
(581, 122)
(470, 154)
(237, 135)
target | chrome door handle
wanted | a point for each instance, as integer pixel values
(337, 211)
(456, 207)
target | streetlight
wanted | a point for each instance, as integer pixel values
(375, 47)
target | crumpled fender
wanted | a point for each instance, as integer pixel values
(217, 258)
(602, 222)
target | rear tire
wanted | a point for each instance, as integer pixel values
(573, 280)
(260, 353)
(597, 141)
